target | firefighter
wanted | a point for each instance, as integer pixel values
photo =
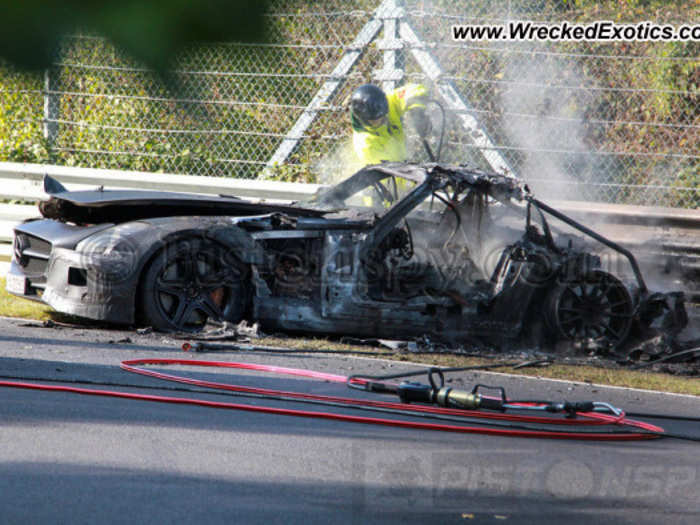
(377, 121)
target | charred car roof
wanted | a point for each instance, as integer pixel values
(497, 186)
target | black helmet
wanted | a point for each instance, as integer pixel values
(368, 102)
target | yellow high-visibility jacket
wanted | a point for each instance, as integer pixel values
(388, 142)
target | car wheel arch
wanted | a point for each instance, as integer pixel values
(240, 244)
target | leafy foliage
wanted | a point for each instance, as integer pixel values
(152, 31)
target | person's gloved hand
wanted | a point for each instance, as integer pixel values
(421, 122)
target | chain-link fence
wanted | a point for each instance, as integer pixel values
(617, 122)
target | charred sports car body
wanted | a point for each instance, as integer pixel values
(396, 250)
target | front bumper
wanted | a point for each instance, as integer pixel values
(75, 285)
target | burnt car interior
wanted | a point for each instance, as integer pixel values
(451, 254)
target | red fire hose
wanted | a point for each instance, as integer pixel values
(585, 426)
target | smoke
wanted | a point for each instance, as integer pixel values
(546, 123)
(338, 164)
(549, 125)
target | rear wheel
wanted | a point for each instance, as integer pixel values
(190, 282)
(598, 307)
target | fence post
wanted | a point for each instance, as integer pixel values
(51, 109)
(390, 46)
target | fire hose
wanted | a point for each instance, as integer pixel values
(453, 408)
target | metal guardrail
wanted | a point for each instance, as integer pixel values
(11, 214)
(23, 182)
(19, 181)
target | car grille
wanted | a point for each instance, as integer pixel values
(32, 254)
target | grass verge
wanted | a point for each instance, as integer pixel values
(597, 375)
(11, 306)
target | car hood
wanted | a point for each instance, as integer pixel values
(98, 206)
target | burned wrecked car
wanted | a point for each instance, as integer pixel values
(397, 250)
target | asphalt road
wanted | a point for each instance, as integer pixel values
(69, 458)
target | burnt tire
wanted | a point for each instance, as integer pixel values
(597, 307)
(190, 282)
